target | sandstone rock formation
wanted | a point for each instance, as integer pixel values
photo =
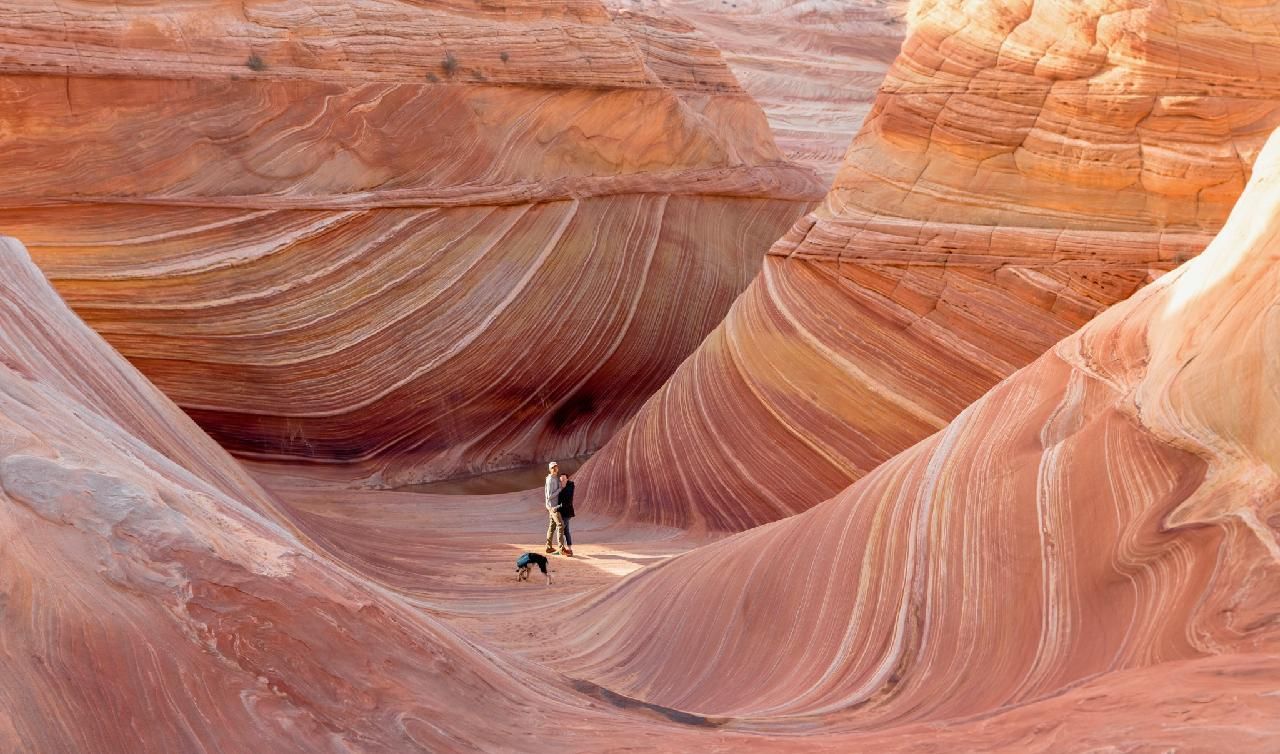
(813, 65)
(1025, 166)
(1084, 558)
(147, 604)
(52, 362)
(421, 241)
(155, 599)
(150, 606)
(1108, 518)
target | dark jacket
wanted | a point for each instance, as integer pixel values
(565, 499)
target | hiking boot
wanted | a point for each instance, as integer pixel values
(567, 552)
(551, 551)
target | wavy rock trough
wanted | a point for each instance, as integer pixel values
(1025, 166)
(419, 241)
(154, 598)
(1107, 518)
(1023, 521)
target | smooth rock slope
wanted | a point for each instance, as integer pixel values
(147, 604)
(1093, 541)
(414, 240)
(1025, 166)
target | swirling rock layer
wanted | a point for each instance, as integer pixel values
(418, 241)
(154, 598)
(814, 66)
(1085, 557)
(149, 604)
(1110, 507)
(1012, 180)
(1082, 556)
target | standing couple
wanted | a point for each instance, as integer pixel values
(558, 491)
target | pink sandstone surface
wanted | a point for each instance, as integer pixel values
(413, 240)
(1031, 540)
(1109, 513)
(154, 598)
(1118, 469)
(151, 607)
(813, 65)
(1025, 166)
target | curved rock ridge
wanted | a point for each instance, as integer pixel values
(48, 352)
(146, 604)
(416, 241)
(813, 65)
(151, 604)
(1012, 181)
(1112, 506)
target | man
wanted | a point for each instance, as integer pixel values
(525, 563)
(551, 495)
(565, 499)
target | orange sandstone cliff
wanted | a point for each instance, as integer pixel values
(1025, 166)
(418, 240)
(813, 65)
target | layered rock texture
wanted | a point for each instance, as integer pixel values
(149, 603)
(813, 65)
(417, 240)
(921, 490)
(154, 598)
(1108, 518)
(1025, 166)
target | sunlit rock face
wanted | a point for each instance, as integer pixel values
(1025, 166)
(1106, 515)
(418, 241)
(813, 65)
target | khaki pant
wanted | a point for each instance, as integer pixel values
(555, 528)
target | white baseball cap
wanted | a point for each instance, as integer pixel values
(552, 465)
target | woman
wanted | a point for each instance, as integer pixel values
(565, 498)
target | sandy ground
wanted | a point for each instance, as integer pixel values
(454, 554)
